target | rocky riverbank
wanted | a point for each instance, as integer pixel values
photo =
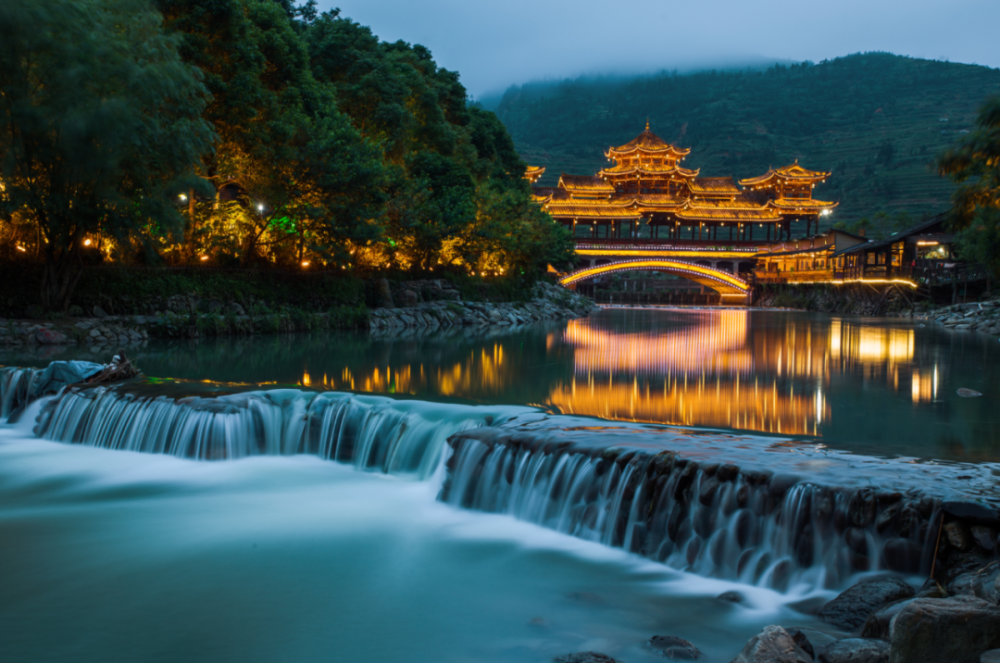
(425, 305)
(983, 317)
(879, 620)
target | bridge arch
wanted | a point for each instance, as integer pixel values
(729, 285)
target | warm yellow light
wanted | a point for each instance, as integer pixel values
(203, 258)
(21, 248)
(305, 263)
(927, 243)
(87, 242)
(183, 197)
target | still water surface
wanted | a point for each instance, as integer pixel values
(871, 386)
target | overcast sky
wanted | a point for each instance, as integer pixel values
(502, 42)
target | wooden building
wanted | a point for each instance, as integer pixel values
(648, 186)
(921, 253)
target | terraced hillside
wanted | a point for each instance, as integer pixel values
(876, 120)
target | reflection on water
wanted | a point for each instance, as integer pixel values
(872, 386)
(712, 368)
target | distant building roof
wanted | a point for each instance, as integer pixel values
(647, 141)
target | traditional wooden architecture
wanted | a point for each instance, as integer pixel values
(807, 260)
(920, 254)
(789, 191)
(533, 173)
(648, 187)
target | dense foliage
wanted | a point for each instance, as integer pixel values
(101, 126)
(974, 164)
(248, 132)
(875, 120)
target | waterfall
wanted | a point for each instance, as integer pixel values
(677, 507)
(709, 519)
(370, 432)
(16, 389)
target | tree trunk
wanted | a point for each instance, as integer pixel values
(59, 279)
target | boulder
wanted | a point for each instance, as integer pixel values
(49, 337)
(810, 640)
(674, 648)
(772, 645)
(991, 656)
(384, 294)
(408, 298)
(953, 630)
(972, 512)
(586, 657)
(982, 583)
(958, 534)
(75, 311)
(98, 312)
(985, 536)
(879, 623)
(855, 650)
(850, 610)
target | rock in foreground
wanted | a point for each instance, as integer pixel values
(772, 645)
(850, 610)
(953, 630)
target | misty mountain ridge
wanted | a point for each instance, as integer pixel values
(876, 120)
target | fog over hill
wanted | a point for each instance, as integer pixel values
(876, 120)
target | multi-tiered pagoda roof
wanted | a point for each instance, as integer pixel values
(648, 184)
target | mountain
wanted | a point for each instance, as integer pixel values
(876, 120)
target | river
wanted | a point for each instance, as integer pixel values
(279, 554)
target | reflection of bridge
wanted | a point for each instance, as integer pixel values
(706, 263)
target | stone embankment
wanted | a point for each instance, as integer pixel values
(427, 306)
(982, 317)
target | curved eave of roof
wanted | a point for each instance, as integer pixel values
(725, 204)
(585, 183)
(805, 205)
(541, 199)
(723, 215)
(624, 151)
(619, 171)
(591, 212)
(788, 173)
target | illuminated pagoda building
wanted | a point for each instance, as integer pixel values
(533, 173)
(649, 186)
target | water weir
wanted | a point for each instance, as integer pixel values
(757, 510)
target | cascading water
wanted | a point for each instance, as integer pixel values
(716, 520)
(710, 519)
(16, 389)
(370, 432)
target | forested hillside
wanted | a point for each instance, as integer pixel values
(876, 120)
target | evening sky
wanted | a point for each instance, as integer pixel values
(496, 44)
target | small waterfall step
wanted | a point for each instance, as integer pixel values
(776, 519)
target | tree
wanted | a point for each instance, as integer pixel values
(308, 178)
(101, 126)
(974, 163)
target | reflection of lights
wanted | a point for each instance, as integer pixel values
(717, 344)
(306, 381)
(923, 387)
(749, 406)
